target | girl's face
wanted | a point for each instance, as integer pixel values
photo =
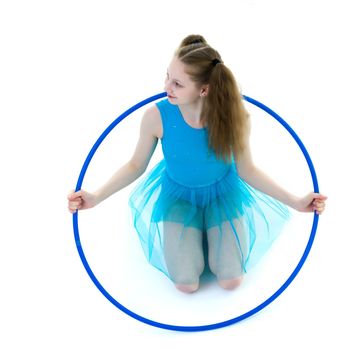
(179, 86)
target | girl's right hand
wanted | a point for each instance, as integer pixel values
(81, 200)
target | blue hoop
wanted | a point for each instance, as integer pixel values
(209, 326)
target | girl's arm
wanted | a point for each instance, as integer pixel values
(122, 178)
(81, 199)
(258, 179)
(126, 174)
(138, 163)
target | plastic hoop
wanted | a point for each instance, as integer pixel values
(209, 326)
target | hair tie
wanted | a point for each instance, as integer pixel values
(197, 41)
(215, 61)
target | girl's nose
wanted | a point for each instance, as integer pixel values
(166, 89)
(166, 85)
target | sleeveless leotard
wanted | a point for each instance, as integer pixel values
(194, 188)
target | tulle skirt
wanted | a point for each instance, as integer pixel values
(240, 224)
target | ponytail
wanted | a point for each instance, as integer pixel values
(223, 109)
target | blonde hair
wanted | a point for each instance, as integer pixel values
(223, 110)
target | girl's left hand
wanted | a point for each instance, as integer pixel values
(312, 202)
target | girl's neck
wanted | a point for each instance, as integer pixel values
(192, 112)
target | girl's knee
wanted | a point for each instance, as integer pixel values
(187, 288)
(186, 276)
(231, 284)
(186, 283)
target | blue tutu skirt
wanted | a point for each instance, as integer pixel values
(243, 220)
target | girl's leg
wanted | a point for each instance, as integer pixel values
(226, 247)
(183, 252)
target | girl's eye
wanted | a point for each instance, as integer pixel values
(176, 83)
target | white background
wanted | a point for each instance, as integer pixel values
(67, 70)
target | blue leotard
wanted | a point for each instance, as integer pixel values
(193, 188)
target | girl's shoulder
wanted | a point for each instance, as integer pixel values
(153, 118)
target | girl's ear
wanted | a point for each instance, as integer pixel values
(204, 90)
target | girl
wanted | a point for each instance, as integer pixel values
(207, 188)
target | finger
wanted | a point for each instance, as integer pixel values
(71, 210)
(74, 204)
(320, 196)
(320, 208)
(76, 200)
(74, 195)
(70, 193)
